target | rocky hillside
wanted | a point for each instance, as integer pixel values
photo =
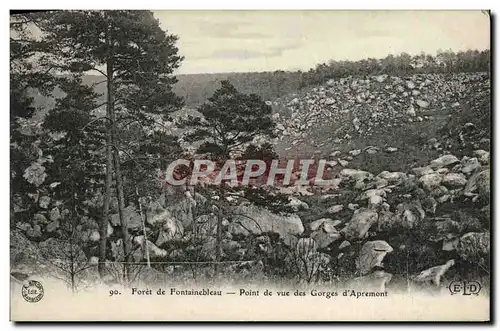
(375, 229)
(386, 122)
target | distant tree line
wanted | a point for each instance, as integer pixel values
(271, 85)
(402, 64)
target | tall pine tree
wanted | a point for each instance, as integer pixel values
(136, 60)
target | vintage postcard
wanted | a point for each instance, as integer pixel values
(250, 165)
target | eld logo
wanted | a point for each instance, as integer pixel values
(465, 287)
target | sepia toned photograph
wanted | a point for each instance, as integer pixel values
(258, 165)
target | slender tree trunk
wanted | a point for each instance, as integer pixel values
(127, 249)
(218, 240)
(220, 216)
(143, 219)
(218, 243)
(116, 158)
(103, 230)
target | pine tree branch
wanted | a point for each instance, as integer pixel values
(95, 84)
(100, 71)
(97, 119)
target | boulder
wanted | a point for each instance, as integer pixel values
(335, 153)
(483, 156)
(171, 229)
(391, 149)
(329, 227)
(352, 206)
(183, 210)
(251, 219)
(368, 194)
(386, 220)
(422, 103)
(335, 209)
(324, 223)
(411, 111)
(371, 255)
(343, 163)
(344, 244)
(431, 181)
(44, 202)
(474, 245)
(442, 171)
(478, 185)
(132, 218)
(469, 165)
(52, 226)
(450, 244)
(324, 239)
(354, 174)
(454, 180)
(39, 219)
(444, 161)
(296, 204)
(360, 223)
(372, 150)
(410, 213)
(154, 250)
(54, 214)
(439, 191)
(395, 178)
(433, 275)
(421, 171)
(377, 182)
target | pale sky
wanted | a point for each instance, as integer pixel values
(241, 41)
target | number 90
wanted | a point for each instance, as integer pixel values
(113, 292)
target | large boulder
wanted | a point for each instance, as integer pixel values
(469, 165)
(387, 220)
(433, 275)
(393, 178)
(371, 255)
(422, 103)
(421, 171)
(54, 214)
(183, 210)
(439, 191)
(153, 250)
(171, 229)
(324, 239)
(334, 209)
(360, 223)
(454, 180)
(444, 161)
(296, 204)
(324, 223)
(478, 185)
(483, 156)
(251, 219)
(474, 245)
(375, 197)
(410, 213)
(355, 174)
(131, 218)
(431, 181)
